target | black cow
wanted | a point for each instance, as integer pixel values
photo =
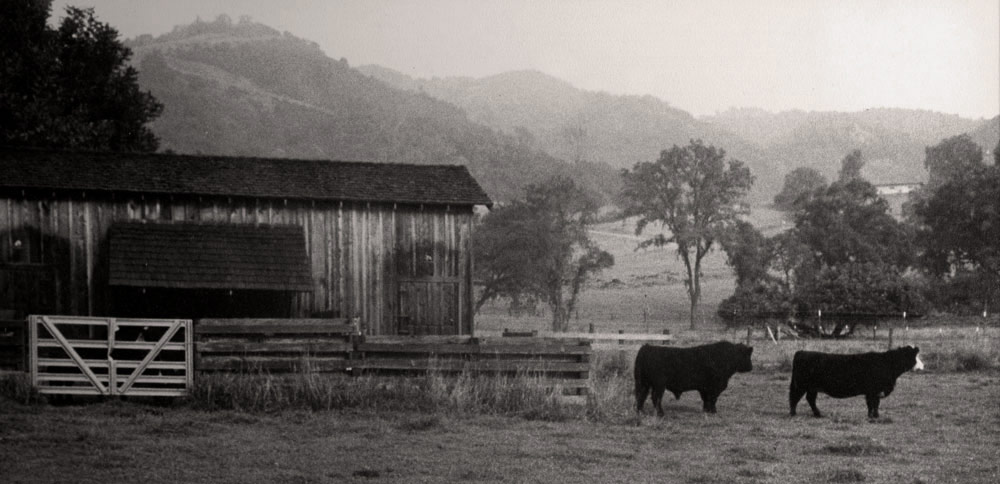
(840, 376)
(705, 368)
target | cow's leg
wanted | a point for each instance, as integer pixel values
(641, 392)
(708, 398)
(794, 395)
(658, 399)
(872, 400)
(811, 398)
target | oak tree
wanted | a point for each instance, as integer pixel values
(693, 192)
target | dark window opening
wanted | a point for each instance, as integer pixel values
(132, 302)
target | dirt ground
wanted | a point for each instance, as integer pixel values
(936, 427)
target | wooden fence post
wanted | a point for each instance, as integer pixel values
(749, 329)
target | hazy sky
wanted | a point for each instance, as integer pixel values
(703, 56)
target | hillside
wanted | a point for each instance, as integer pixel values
(575, 124)
(892, 140)
(246, 89)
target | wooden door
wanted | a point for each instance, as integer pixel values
(428, 306)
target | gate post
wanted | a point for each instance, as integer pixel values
(112, 367)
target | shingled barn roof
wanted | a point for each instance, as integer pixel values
(194, 256)
(240, 177)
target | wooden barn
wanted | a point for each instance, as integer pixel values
(183, 236)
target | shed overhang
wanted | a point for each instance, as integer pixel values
(209, 256)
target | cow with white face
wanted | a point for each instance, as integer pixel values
(841, 376)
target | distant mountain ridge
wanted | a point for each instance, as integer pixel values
(572, 123)
(891, 140)
(248, 90)
(621, 130)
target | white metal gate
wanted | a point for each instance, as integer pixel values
(75, 355)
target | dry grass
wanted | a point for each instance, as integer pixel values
(517, 395)
(937, 427)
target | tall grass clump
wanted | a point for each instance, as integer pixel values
(521, 395)
(17, 387)
(496, 394)
(611, 388)
(967, 358)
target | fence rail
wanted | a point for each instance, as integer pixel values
(598, 340)
(273, 345)
(564, 363)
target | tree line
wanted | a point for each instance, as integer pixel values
(848, 257)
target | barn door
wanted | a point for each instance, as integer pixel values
(108, 356)
(428, 307)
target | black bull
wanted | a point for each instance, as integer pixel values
(840, 376)
(705, 368)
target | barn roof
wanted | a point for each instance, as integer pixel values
(196, 256)
(240, 177)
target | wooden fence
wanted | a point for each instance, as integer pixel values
(274, 345)
(284, 346)
(564, 363)
(13, 341)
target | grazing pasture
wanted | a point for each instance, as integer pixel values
(937, 426)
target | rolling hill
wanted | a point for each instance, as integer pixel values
(891, 140)
(619, 130)
(575, 124)
(248, 90)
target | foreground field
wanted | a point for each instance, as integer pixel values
(936, 427)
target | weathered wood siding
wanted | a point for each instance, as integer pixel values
(361, 254)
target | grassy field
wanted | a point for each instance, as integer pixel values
(936, 427)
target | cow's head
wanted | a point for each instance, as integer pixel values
(743, 363)
(911, 358)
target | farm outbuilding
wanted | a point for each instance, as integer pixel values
(184, 236)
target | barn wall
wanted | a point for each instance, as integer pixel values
(361, 255)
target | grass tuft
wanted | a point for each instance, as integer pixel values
(848, 475)
(859, 448)
(421, 424)
(971, 360)
(17, 387)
